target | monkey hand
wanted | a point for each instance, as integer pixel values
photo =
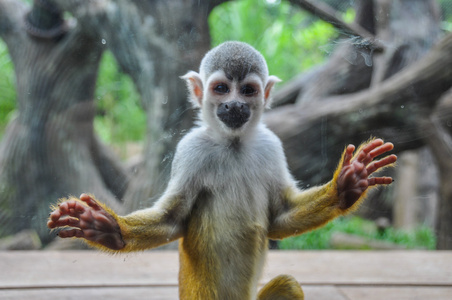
(87, 219)
(353, 175)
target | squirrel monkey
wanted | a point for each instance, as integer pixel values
(230, 189)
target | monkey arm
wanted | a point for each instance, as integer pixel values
(152, 227)
(305, 210)
(102, 228)
(301, 211)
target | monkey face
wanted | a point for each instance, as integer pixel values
(232, 89)
(234, 102)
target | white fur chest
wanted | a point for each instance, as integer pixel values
(238, 178)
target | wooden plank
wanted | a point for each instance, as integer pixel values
(171, 293)
(119, 293)
(37, 269)
(110, 293)
(363, 267)
(397, 293)
(87, 268)
(325, 292)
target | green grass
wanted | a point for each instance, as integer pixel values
(422, 237)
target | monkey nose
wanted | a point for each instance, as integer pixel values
(234, 113)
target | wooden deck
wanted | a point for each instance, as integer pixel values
(324, 275)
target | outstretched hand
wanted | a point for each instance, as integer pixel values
(353, 179)
(87, 219)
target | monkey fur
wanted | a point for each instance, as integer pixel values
(230, 189)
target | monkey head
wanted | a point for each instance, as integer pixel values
(232, 88)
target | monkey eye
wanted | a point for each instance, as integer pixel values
(221, 88)
(248, 90)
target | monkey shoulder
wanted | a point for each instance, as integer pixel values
(260, 156)
(198, 145)
(192, 148)
(267, 138)
(191, 154)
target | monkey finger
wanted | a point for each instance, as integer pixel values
(71, 233)
(364, 154)
(372, 145)
(348, 154)
(374, 166)
(363, 184)
(379, 180)
(71, 222)
(55, 215)
(367, 154)
(72, 208)
(90, 202)
(382, 149)
(63, 208)
(51, 224)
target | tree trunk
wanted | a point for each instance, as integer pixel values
(408, 29)
(158, 41)
(49, 150)
(439, 139)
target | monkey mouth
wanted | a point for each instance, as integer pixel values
(234, 114)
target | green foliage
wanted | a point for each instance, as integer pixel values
(446, 9)
(283, 34)
(349, 15)
(289, 38)
(120, 116)
(7, 88)
(422, 237)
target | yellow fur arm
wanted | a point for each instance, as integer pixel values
(142, 229)
(306, 210)
(148, 228)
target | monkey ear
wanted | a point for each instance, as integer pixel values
(194, 84)
(268, 88)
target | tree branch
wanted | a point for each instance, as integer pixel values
(391, 110)
(10, 12)
(440, 142)
(327, 14)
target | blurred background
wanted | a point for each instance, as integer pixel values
(91, 101)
